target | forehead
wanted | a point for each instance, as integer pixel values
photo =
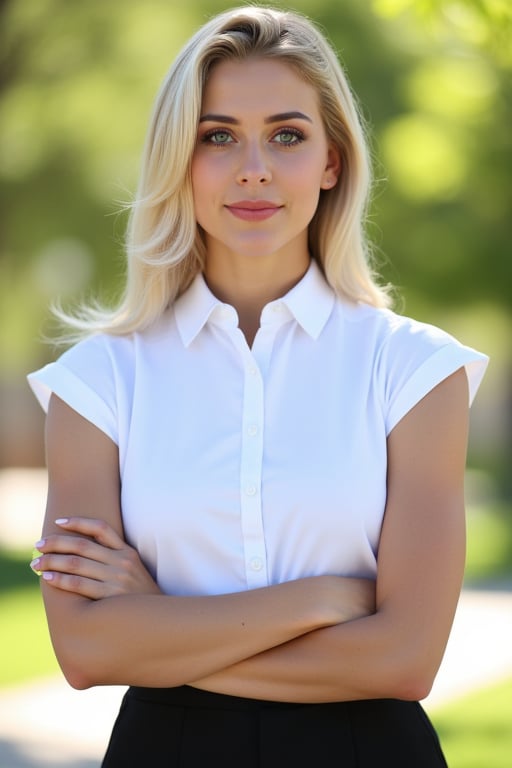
(258, 86)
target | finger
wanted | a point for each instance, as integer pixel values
(96, 529)
(79, 585)
(73, 565)
(125, 575)
(75, 545)
(36, 559)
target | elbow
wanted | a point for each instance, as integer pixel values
(77, 674)
(77, 680)
(81, 669)
(409, 663)
(412, 679)
(74, 671)
(413, 687)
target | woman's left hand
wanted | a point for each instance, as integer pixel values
(95, 563)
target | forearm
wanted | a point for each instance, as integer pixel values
(372, 657)
(165, 641)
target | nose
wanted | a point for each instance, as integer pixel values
(254, 167)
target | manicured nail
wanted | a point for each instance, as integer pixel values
(38, 544)
(62, 521)
(34, 565)
(47, 576)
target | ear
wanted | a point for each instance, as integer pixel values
(332, 169)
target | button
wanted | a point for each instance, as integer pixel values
(253, 371)
(256, 563)
(250, 490)
(252, 430)
(277, 308)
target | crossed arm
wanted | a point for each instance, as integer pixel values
(316, 639)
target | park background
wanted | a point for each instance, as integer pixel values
(434, 81)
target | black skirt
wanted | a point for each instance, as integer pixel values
(188, 728)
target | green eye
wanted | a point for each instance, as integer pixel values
(218, 137)
(289, 137)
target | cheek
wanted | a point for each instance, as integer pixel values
(203, 193)
(197, 175)
(305, 184)
(305, 174)
(208, 167)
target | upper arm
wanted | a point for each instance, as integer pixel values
(83, 468)
(83, 480)
(422, 546)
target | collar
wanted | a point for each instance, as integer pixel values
(310, 303)
(193, 308)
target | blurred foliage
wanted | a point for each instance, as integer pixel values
(77, 84)
(489, 544)
(475, 730)
(77, 81)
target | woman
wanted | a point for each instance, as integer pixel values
(255, 514)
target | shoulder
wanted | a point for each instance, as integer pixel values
(116, 352)
(96, 376)
(394, 337)
(408, 357)
(102, 352)
(388, 329)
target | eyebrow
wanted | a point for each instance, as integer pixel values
(281, 117)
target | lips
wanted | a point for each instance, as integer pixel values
(253, 210)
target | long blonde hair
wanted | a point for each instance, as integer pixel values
(164, 246)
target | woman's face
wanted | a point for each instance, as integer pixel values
(260, 161)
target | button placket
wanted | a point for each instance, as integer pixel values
(255, 366)
(251, 461)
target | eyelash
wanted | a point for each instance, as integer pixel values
(209, 135)
(294, 132)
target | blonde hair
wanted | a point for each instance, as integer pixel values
(164, 245)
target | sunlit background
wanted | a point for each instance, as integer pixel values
(434, 81)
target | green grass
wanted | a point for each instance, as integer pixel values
(26, 646)
(476, 731)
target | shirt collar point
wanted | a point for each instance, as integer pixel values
(311, 301)
(193, 308)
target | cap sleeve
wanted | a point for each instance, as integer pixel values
(417, 358)
(83, 377)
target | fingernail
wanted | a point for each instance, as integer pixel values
(34, 565)
(39, 543)
(47, 576)
(62, 521)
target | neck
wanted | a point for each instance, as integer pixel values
(250, 284)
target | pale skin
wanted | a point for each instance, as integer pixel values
(323, 638)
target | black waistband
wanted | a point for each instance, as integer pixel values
(186, 696)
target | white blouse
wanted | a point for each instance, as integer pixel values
(246, 467)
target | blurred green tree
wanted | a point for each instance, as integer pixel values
(78, 80)
(76, 85)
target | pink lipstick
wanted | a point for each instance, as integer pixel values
(253, 210)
